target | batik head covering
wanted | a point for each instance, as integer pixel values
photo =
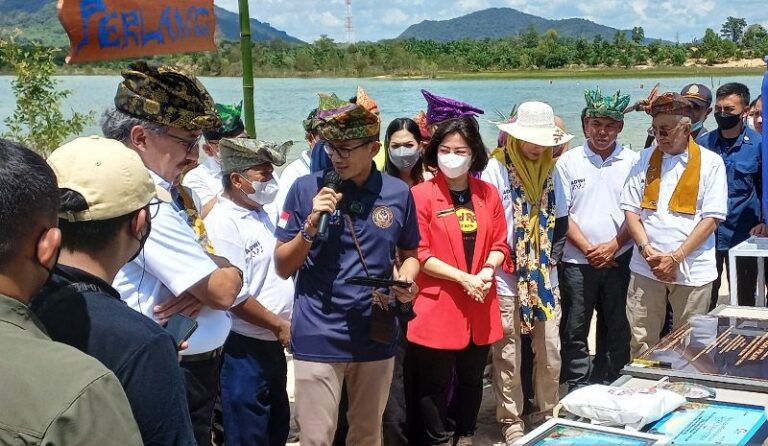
(671, 103)
(339, 120)
(163, 94)
(366, 101)
(441, 109)
(599, 106)
(231, 122)
(421, 121)
(239, 154)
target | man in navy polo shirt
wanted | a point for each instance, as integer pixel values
(337, 335)
(741, 150)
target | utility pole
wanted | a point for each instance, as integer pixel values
(348, 28)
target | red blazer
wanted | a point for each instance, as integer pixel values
(445, 316)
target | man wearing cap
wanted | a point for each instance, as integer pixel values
(254, 371)
(51, 393)
(741, 150)
(160, 113)
(205, 179)
(340, 333)
(594, 273)
(673, 200)
(700, 98)
(104, 218)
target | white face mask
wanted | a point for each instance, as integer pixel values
(751, 122)
(264, 192)
(452, 165)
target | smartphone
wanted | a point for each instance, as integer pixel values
(180, 328)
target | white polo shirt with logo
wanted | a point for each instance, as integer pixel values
(172, 262)
(204, 180)
(593, 188)
(667, 230)
(247, 239)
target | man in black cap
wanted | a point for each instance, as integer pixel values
(161, 113)
(700, 98)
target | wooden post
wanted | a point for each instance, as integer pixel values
(247, 61)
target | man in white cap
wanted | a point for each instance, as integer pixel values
(528, 293)
(107, 196)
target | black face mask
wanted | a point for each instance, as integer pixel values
(143, 239)
(727, 121)
(56, 262)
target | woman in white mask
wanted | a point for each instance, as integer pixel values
(755, 117)
(463, 242)
(403, 147)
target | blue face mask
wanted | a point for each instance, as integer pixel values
(697, 126)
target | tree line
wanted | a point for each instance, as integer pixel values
(528, 50)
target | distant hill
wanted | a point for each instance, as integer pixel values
(503, 22)
(38, 21)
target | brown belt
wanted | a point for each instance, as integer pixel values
(202, 356)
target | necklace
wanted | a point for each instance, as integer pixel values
(460, 196)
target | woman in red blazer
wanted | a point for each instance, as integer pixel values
(463, 241)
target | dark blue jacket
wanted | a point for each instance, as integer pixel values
(743, 166)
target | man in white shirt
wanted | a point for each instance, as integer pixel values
(673, 200)
(254, 371)
(594, 273)
(205, 179)
(174, 274)
(300, 166)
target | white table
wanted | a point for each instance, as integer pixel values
(751, 247)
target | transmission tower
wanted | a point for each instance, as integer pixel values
(348, 28)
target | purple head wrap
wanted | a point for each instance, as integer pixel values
(440, 109)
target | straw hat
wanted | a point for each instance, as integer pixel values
(535, 123)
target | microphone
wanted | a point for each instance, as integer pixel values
(331, 180)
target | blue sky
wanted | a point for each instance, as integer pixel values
(376, 19)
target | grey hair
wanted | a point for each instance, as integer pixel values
(116, 124)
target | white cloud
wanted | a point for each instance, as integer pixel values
(393, 17)
(375, 19)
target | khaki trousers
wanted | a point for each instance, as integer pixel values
(647, 308)
(506, 366)
(318, 391)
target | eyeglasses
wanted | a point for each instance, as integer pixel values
(189, 144)
(343, 152)
(663, 133)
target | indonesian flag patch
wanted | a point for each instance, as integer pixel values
(282, 222)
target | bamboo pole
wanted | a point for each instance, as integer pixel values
(247, 61)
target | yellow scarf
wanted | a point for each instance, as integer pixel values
(686, 192)
(533, 175)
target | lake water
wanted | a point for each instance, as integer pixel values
(281, 104)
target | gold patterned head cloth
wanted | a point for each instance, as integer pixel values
(366, 101)
(671, 103)
(162, 94)
(239, 154)
(339, 120)
(599, 106)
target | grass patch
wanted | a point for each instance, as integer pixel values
(612, 73)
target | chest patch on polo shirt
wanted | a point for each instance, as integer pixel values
(578, 184)
(467, 220)
(383, 217)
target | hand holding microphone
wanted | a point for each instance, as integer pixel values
(324, 204)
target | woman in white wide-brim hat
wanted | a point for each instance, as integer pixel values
(537, 238)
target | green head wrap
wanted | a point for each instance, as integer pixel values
(599, 106)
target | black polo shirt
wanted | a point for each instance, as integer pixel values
(85, 312)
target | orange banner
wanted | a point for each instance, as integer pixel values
(119, 29)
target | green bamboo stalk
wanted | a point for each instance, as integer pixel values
(247, 61)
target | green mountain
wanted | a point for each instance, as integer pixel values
(502, 22)
(38, 21)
